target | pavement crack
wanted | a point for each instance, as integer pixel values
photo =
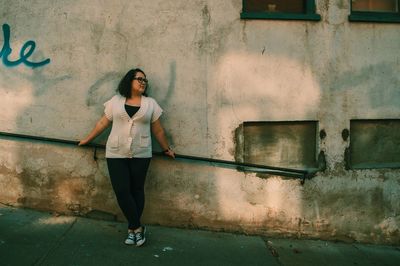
(42, 259)
(273, 251)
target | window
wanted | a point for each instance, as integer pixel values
(375, 10)
(282, 144)
(375, 6)
(374, 144)
(279, 9)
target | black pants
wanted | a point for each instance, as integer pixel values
(127, 178)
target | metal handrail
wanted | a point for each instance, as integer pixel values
(281, 171)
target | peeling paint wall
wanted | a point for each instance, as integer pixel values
(210, 71)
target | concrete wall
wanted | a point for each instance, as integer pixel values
(211, 72)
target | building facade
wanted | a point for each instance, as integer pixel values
(313, 85)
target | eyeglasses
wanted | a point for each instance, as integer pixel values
(142, 80)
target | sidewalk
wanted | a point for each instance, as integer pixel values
(29, 237)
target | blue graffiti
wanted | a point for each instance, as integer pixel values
(26, 51)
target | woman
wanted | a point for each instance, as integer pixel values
(128, 150)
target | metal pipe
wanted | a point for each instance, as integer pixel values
(303, 174)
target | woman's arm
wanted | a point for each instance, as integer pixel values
(101, 125)
(159, 133)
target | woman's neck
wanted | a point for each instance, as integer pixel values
(135, 96)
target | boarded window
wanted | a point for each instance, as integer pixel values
(281, 144)
(280, 9)
(375, 143)
(284, 6)
(390, 6)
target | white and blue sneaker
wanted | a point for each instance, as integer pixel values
(140, 237)
(130, 240)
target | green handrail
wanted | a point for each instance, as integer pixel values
(281, 171)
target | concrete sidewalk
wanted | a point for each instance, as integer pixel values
(29, 237)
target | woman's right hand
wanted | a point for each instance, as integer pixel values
(102, 124)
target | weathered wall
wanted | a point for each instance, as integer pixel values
(210, 71)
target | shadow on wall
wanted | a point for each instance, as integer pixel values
(288, 90)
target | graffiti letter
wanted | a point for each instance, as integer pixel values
(26, 51)
(24, 56)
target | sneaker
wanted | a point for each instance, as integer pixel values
(140, 237)
(130, 240)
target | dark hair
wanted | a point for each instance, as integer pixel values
(125, 85)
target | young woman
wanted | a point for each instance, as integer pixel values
(134, 116)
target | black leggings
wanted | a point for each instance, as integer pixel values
(127, 178)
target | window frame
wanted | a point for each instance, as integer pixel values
(310, 13)
(371, 16)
